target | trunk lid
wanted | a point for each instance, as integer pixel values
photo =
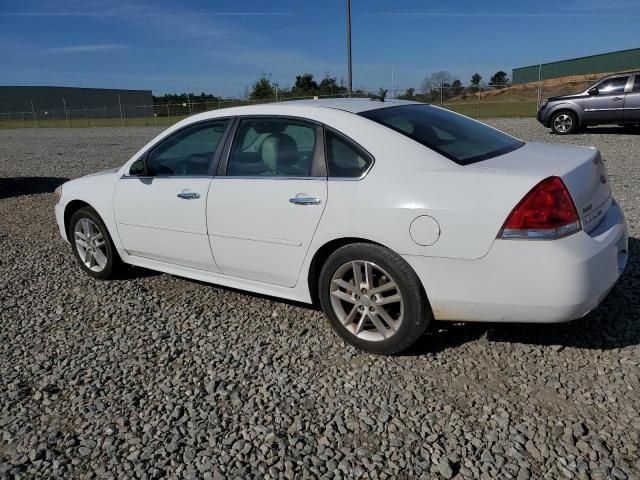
(581, 169)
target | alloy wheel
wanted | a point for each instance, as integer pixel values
(563, 123)
(90, 245)
(366, 300)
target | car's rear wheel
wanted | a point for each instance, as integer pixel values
(373, 298)
(564, 122)
(92, 245)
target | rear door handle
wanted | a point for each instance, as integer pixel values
(189, 195)
(616, 99)
(305, 200)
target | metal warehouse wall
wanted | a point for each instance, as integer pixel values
(606, 62)
(18, 99)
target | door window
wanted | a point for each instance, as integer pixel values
(272, 148)
(613, 85)
(188, 152)
(344, 159)
(636, 84)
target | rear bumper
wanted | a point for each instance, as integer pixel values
(529, 281)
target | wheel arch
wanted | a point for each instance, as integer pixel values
(72, 207)
(565, 107)
(322, 254)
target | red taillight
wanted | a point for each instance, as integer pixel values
(547, 211)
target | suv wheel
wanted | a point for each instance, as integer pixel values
(564, 123)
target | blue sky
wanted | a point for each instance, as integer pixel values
(220, 47)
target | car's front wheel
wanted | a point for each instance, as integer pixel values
(373, 298)
(92, 245)
(564, 123)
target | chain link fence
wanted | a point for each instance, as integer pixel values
(479, 101)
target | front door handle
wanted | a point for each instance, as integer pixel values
(616, 99)
(189, 195)
(305, 200)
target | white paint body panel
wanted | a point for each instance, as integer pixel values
(259, 242)
(153, 222)
(257, 233)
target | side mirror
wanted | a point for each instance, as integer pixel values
(593, 91)
(138, 168)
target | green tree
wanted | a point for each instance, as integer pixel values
(262, 88)
(456, 88)
(476, 78)
(329, 86)
(499, 79)
(409, 94)
(305, 84)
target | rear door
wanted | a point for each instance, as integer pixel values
(608, 105)
(632, 102)
(263, 210)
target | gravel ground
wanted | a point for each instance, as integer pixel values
(156, 376)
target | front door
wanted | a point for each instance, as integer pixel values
(263, 213)
(608, 105)
(632, 103)
(161, 215)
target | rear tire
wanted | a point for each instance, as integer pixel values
(373, 298)
(92, 245)
(564, 122)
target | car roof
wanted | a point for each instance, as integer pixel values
(353, 105)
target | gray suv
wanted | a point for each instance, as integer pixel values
(614, 99)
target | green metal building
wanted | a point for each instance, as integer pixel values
(602, 63)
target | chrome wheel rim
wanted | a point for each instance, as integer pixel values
(563, 123)
(366, 300)
(90, 245)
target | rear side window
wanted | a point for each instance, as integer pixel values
(454, 136)
(344, 158)
(278, 147)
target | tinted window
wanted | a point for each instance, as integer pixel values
(636, 84)
(344, 159)
(187, 152)
(456, 137)
(613, 85)
(272, 147)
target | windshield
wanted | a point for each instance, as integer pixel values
(458, 138)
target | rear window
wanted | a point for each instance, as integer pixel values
(458, 138)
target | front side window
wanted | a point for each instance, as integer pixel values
(636, 84)
(268, 147)
(344, 159)
(613, 85)
(454, 136)
(188, 152)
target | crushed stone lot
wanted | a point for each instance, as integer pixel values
(156, 376)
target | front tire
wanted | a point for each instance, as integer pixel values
(373, 298)
(92, 246)
(564, 122)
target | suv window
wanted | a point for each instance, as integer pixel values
(636, 84)
(344, 159)
(272, 147)
(187, 152)
(613, 85)
(454, 136)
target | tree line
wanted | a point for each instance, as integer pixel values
(437, 86)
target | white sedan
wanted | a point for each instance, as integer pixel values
(389, 214)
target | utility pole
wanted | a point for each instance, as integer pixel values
(349, 77)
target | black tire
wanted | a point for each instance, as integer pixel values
(564, 122)
(413, 309)
(113, 263)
